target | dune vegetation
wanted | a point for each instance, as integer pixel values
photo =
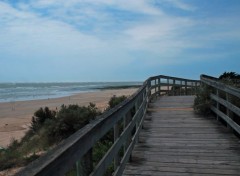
(202, 101)
(49, 127)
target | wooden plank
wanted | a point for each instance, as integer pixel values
(182, 143)
(184, 170)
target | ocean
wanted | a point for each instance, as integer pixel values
(10, 92)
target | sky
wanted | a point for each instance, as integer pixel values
(117, 40)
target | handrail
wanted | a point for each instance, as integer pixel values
(223, 96)
(62, 158)
(174, 85)
(214, 82)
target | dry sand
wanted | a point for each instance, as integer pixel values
(15, 117)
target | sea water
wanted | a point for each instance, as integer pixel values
(10, 92)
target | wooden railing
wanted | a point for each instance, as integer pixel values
(226, 102)
(130, 114)
(173, 86)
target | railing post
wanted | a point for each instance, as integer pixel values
(185, 87)
(78, 168)
(192, 88)
(116, 135)
(180, 88)
(155, 84)
(173, 87)
(149, 91)
(227, 98)
(137, 123)
(168, 86)
(217, 93)
(144, 96)
(159, 86)
(124, 126)
(228, 111)
(195, 88)
(128, 141)
(85, 165)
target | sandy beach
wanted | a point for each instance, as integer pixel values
(15, 117)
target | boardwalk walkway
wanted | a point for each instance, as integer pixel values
(177, 142)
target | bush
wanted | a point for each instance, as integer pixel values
(40, 116)
(230, 78)
(114, 101)
(70, 119)
(202, 102)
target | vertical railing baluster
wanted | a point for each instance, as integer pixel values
(228, 111)
(168, 86)
(227, 98)
(196, 88)
(116, 135)
(129, 138)
(149, 91)
(85, 165)
(159, 86)
(136, 126)
(217, 93)
(192, 89)
(124, 126)
(181, 87)
(185, 87)
(145, 107)
(78, 168)
(155, 82)
(174, 86)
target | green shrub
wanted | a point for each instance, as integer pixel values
(40, 116)
(202, 102)
(230, 78)
(99, 150)
(70, 119)
(114, 101)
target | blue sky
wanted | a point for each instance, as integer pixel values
(110, 40)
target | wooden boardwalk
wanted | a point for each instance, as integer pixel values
(177, 142)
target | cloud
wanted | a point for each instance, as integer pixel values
(25, 29)
(142, 6)
(110, 35)
(181, 5)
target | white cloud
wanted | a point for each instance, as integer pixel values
(161, 35)
(142, 6)
(181, 5)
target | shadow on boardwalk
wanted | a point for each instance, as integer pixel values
(175, 141)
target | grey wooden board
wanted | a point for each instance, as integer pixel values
(175, 141)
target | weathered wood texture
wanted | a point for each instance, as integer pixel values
(225, 96)
(175, 141)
